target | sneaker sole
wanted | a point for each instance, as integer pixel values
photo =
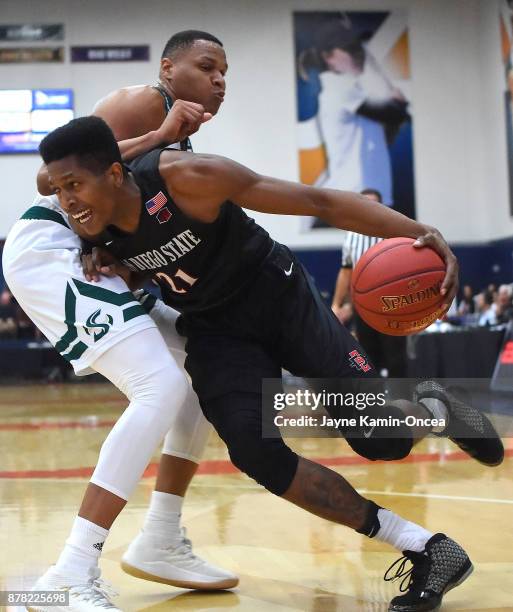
(460, 580)
(454, 585)
(220, 585)
(493, 462)
(445, 591)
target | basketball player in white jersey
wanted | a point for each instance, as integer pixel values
(102, 327)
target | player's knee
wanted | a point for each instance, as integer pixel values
(170, 389)
(176, 386)
(162, 391)
(376, 443)
(237, 419)
(189, 433)
(270, 462)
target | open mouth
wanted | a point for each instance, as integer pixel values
(83, 216)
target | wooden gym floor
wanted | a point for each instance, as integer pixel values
(288, 560)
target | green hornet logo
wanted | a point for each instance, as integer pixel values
(93, 323)
(69, 345)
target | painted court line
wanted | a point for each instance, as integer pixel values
(488, 500)
(223, 466)
(70, 401)
(255, 487)
(84, 424)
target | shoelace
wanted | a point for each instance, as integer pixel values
(414, 577)
(96, 591)
(185, 546)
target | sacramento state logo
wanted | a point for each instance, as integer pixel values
(69, 345)
(97, 328)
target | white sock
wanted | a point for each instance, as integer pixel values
(83, 548)
(401, 534)
(163, 518)
(438, 410)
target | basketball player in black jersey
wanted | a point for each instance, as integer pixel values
(193, 66)
(249, 309)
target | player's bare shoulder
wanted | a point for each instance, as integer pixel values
(183, 166)
(188, 180)
(176, 167)
(132, 111)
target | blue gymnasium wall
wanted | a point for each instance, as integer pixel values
(480, 265)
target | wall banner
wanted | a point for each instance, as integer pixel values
(353, 104)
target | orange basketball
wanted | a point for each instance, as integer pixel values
(396, 287)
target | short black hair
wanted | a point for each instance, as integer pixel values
(89, 138)
(374, 192)
(182, 40)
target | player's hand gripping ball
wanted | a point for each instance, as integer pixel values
(396, 287)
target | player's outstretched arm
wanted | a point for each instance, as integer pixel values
(201, 183)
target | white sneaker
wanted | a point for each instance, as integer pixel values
(177, 565)
(90, 595)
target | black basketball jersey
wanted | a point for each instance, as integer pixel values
(197, 265)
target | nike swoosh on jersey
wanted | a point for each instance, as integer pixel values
(289, 271)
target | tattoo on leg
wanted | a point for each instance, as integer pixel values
(327, 494)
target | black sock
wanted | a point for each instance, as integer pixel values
(371, 526)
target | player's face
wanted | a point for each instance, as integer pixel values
(88, 198)
(197, 74)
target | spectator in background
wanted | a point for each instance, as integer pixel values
(467, 305)
(484, 303)
(8, 326)
(503, 305)
(26, 330)
(386, 352)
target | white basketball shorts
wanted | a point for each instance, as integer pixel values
(41, 264)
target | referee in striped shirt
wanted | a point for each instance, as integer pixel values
(385, 352)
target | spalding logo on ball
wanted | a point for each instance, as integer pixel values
(396, 287)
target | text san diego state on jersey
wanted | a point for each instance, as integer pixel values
(197, 265)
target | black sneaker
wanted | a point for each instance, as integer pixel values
(442, 566)
(469, 428)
